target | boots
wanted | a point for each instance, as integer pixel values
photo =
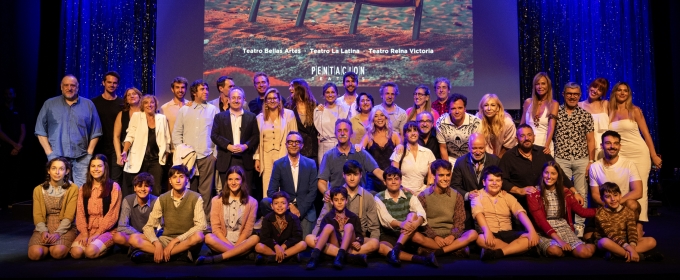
(340, 259)
(393, 256)
(314, 260)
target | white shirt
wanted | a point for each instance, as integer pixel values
(352, 106)
(414, 170)
(236, 126)
(324, 121)
(295, 169)
(623, 172)
(386, 218)
(456, 137)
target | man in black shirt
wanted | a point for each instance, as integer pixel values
(108, 105)
(523, 166)
(428, 136)
(12, 135)
(261, 84)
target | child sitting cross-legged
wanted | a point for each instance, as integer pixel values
(281, 233)
(617, 230)
(341, 228)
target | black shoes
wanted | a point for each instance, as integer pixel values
(340, 259)
(314, 260)
(393, 258)
(357, 259)
(139, 256)
(491, 254)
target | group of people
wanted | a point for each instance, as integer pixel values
(245, 178)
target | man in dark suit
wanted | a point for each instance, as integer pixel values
(296, 175)
(236, 135)
(467, 171)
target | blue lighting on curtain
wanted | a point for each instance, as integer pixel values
(109, 35)
(578, 41)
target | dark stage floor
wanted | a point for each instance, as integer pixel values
(14, 235)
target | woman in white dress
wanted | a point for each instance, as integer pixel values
(497, 125)
(415, 162)
(599, 108)
(325, 116)
(636, 142)
(540, 112)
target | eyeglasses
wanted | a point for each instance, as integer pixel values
(293, 142)
(419, 94)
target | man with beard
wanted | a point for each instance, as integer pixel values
(108, 105)
(261, 84)
(612, 168)
(428, 136)
(467, 172)
(68, 126)
(350, 81)
(389, 92)
(192, 128)
(523, 166)
(179, 88)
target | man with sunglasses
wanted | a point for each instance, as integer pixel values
(296, 175)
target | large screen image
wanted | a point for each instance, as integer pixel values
(405, 41)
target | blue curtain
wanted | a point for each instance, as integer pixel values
(98, 36)
(578, 41)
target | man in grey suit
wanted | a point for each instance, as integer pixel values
(467, 172)
(296, 175)
(236, 135)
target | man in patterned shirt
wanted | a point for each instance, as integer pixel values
(454, 129)
(575, 143)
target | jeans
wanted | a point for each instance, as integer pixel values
(575, 170)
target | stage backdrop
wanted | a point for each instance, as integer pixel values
(492, 66)
(579, 41)
(104, 35)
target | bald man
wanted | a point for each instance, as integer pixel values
(467, 171)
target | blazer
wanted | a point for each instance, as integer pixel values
(464, 178)
(288, 124)
(223, 136)
(282, 180)
(290, 236)
(219, 228)
(138, 135)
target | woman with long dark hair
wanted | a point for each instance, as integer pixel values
(359, 120)
(414, 162)
(98, 208)
(552, 207)
(303, 103)
(232, 217)
(54, 209)
(325, 116)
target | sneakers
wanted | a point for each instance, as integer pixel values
(578, 230)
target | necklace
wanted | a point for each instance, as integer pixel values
(527, 156)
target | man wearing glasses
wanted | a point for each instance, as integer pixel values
(296, 175)
(575, 143)
(428, 136)
(236, 135)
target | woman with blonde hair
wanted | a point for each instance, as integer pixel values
(274, 122)
(497, 125)
(379, 141)
(636, 142)
(303, 103)
(421, 103)
(146, 145)
(599, 109)
(540, 112)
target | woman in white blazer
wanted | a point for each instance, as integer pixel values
(146, 145)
